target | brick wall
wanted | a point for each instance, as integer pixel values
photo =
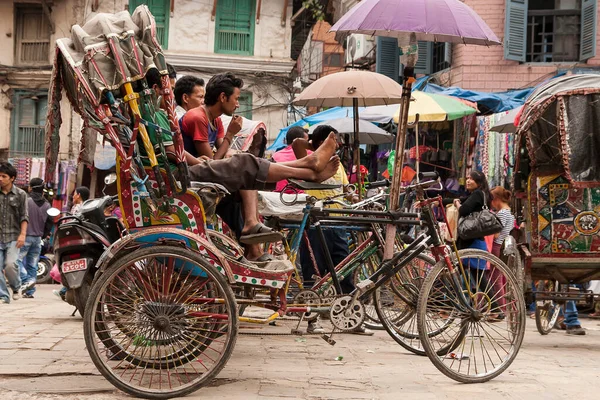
(484, 68)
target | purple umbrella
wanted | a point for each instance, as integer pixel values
(431, 20)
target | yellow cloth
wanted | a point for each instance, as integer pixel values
(340, 178)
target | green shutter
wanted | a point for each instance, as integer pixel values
(388, 57)
(515, 30)
(245, 109)
(234, 29)
(27, 124)
(161, 10)
(423, 65)
(589, 12)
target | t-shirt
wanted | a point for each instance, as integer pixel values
(37, 217)
(161, 119)
(284, 155)
(196, 127)
(508, 222)
(340, 177)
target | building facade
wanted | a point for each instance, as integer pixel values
(251, 38)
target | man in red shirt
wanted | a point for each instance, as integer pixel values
(203, 125)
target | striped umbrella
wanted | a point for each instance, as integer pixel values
(436, 107)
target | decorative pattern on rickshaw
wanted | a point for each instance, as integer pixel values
(568, 220)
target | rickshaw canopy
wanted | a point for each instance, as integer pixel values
(561, 125)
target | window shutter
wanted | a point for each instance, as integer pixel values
(423, 65)
(388, 57)
(589, 13)
(27, 120)
(515, 30)
(33, 35)
(234, 29)
(161, 10)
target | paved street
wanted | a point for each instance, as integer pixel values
(43, 356)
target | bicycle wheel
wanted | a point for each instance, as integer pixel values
(161, 322)
(490, 317)
(396, 303)
(546, 311)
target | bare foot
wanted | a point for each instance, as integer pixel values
(320, 158)
(329, 171)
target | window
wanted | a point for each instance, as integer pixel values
(234, 31)
(433, 57)
(550, 31)
(32, 38)
(332, 60)
(161, 10)
(28, 121)
(245, 101)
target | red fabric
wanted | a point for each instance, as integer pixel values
(195, 125)
(422, 149)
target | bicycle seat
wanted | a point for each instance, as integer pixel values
(311, 185)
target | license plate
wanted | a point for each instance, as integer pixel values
(74, 265)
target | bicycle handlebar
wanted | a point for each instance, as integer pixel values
(429, 175)
(377, 184)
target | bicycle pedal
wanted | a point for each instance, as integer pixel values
(366, 284)
(297, 332)
(328, 339)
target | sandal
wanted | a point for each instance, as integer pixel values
(260, 233)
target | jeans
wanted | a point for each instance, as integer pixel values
(8, 269)
(28, 258)
(337, 244)
(571, 316)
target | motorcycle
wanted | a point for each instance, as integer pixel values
(79, 241)
(45, 264)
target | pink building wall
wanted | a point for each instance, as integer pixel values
(485, 69)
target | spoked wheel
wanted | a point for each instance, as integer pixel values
(546, 311)
(161, 322)
(361, 273)
(396, 303)
(489, 324)
(43, 271)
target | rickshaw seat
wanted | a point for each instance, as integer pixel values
(311, 185)
(275, 265)
(211, 194)
(220, 190)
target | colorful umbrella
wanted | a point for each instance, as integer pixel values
(430, 20)
(435, 108)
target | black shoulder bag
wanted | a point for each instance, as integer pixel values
(479, 223)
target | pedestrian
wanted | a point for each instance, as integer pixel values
(80, 195)
(13, 231)
(189, 93)
(500, 204)
(38, 228)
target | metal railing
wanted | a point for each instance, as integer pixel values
(29, 141)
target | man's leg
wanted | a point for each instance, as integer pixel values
(4, 295)
(337, 242)
(31, 263)
(571, 319)
(21, 261)
(13, 275)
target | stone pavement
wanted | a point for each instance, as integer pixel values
(43, 356)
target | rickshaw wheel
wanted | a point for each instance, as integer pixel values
(396, 304)
(484, 343)
(161, 322)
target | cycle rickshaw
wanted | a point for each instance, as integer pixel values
(556, 189)
(162, 318)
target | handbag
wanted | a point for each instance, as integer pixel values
(479, 224)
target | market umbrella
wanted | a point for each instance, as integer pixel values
(506, 123)
(435, 108)
(351, 88)
(368, 132)
(412, 20)
(430, 20)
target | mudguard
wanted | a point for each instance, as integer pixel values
(165, 235)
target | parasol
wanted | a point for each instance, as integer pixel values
(351, 88)
(435, 108)
(413, 20)
(368, 132)
(506, 123)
